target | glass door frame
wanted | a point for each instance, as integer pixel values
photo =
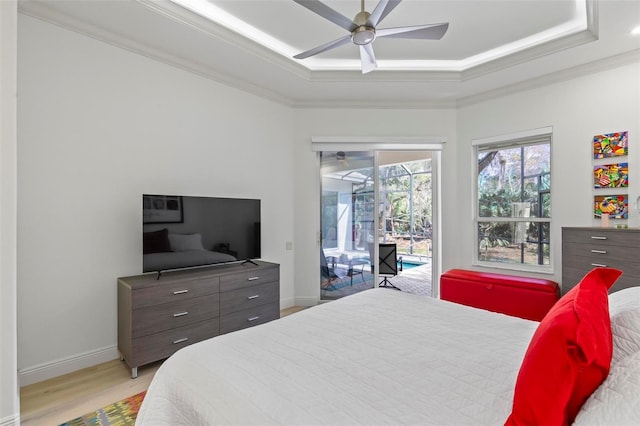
(352, 179)
(435, 150)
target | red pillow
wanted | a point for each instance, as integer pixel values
(569, 355)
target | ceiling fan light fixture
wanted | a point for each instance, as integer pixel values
(362, 30)
(363, 35)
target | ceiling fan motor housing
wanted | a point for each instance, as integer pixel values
(363, 34)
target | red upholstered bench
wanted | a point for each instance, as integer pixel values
(524, 297)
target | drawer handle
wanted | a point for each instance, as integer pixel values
(599, 265)
(184, 339)
(181, 291)
(253, 319)
(180, 314)
(253, 278)
(255, 296)
(598, 238)
(599, 251)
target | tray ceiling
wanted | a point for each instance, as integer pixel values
(491, 46)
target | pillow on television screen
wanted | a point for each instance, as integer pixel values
(568, 356)
(185, 242)
(624, 309)
(156, 242)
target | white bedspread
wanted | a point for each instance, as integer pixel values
(378, 357)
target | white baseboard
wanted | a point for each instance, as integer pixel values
(10, 421)
(287, 303)
(298, 301)
(305, 301)
(38, 373)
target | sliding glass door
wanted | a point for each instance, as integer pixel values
(347, 222)
(362, 207)
(405, 211)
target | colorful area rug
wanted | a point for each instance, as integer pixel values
(121, 413)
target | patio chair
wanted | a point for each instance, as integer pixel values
(326, 272)
(388, 264)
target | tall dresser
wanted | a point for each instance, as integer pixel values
(158, 316)
(586, 248)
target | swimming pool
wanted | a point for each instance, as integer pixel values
(408, 265)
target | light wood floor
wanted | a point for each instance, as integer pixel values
(64, 398)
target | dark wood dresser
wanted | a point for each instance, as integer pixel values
(156, 317)
(586, 248)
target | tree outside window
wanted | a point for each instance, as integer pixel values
(513, 215)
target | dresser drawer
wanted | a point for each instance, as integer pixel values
(603, 237)
(174, 291)
(585, 264)
(586, 248)
(249, 317)
(248, 297)
(249, 278)
(162, 345)
(571, 277)
(153, 319)
(601, 254)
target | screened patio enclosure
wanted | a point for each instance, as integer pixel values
(354, 218)
(406, 203)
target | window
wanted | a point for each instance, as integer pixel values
(513, 194)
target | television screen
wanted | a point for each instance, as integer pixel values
(186, 231)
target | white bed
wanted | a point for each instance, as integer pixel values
(377, 357)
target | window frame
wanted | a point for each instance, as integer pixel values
(512, 140)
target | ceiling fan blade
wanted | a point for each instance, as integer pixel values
(368, 58)
(328, 13)
(382, 9)
(423, 32)
(324, 47)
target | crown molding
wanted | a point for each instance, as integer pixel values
(535, 52)
(593, 67)
(588, 35)
(205, 26)
(451, 73)
(382, 75)
(39, 10)
(375, 104)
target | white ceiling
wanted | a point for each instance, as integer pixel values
(491, 46)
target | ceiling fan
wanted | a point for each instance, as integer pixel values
(363, 30)
(341, 157)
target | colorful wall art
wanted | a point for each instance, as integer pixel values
(611, 175)
(616, 205)
(610, 145)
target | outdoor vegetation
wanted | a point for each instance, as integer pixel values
(405, 214)
(514, 183)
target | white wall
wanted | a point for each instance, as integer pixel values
(577, 109)
(356, 122)
(98, 126)
(9, 395)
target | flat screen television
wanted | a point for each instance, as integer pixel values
(187, 231)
